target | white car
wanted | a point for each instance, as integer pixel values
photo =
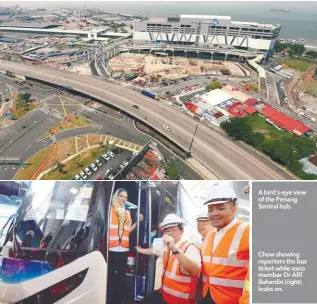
(77, 177)
(87, 171)
(135, 153)
(94, 167)
(167, 128)
(108, 171)
(106, 157)
(125, 163)
(98, 162)
(83, 175)
(122, 166)
(110, 153)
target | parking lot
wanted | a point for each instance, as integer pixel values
(113, 163)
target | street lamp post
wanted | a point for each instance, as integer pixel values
(191, 143)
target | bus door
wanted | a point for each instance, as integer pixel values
(143, 278)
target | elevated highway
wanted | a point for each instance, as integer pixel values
(221, 155)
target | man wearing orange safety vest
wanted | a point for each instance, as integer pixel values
(225, 251)
(181, 266)
(245, 299)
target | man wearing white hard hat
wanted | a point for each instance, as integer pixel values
(181, 265)
(203, 224)
(225, 251)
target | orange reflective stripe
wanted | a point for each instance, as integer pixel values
(179, 294)
(227, 282)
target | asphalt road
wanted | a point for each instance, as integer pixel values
(23, 144)
(213, 149)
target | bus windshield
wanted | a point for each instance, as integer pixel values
(55, 215)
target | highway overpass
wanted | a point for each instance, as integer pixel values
(221, 155)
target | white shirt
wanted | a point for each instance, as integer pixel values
(119, 248)
(219, 234)
(192, 253)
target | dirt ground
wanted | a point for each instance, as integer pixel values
(163, 68)
(307, 92)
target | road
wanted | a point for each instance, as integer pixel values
(221, 155)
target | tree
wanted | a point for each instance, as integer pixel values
(79, 162)
(215, 84)
(298, 49)
(279, 46)
(188, 155)
(171, 171)
(311, 54)
(60, 167)
(237, 128)
(24, 96)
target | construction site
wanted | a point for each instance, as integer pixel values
(303, 89)
(150, 68)
(307, 96)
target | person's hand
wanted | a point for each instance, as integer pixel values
(169, 242)
(139, 249)
(141, 217)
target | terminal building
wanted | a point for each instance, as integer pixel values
(207, 31)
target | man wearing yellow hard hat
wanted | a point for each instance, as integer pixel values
(225, 251)
(181, 265)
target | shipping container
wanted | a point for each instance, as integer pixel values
(149, 94)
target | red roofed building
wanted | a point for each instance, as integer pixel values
(251, 101)
(191, 107)
(250, 110)
(237, 110)
(285, 122)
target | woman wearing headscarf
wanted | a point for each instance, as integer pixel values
(119, 234)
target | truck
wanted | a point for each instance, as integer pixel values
(149, 94)
(67, 87)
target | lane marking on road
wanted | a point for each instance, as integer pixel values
(62, 103)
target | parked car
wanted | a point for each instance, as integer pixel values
(98, 162)
(125, 163)
(108, 171)
(77, 177)
(83, 175)
(110, 153)
(94, 167)
(87, 171)
(135, 106)
(122, 166)
(106, 157)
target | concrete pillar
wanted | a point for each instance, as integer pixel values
(212, 55)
